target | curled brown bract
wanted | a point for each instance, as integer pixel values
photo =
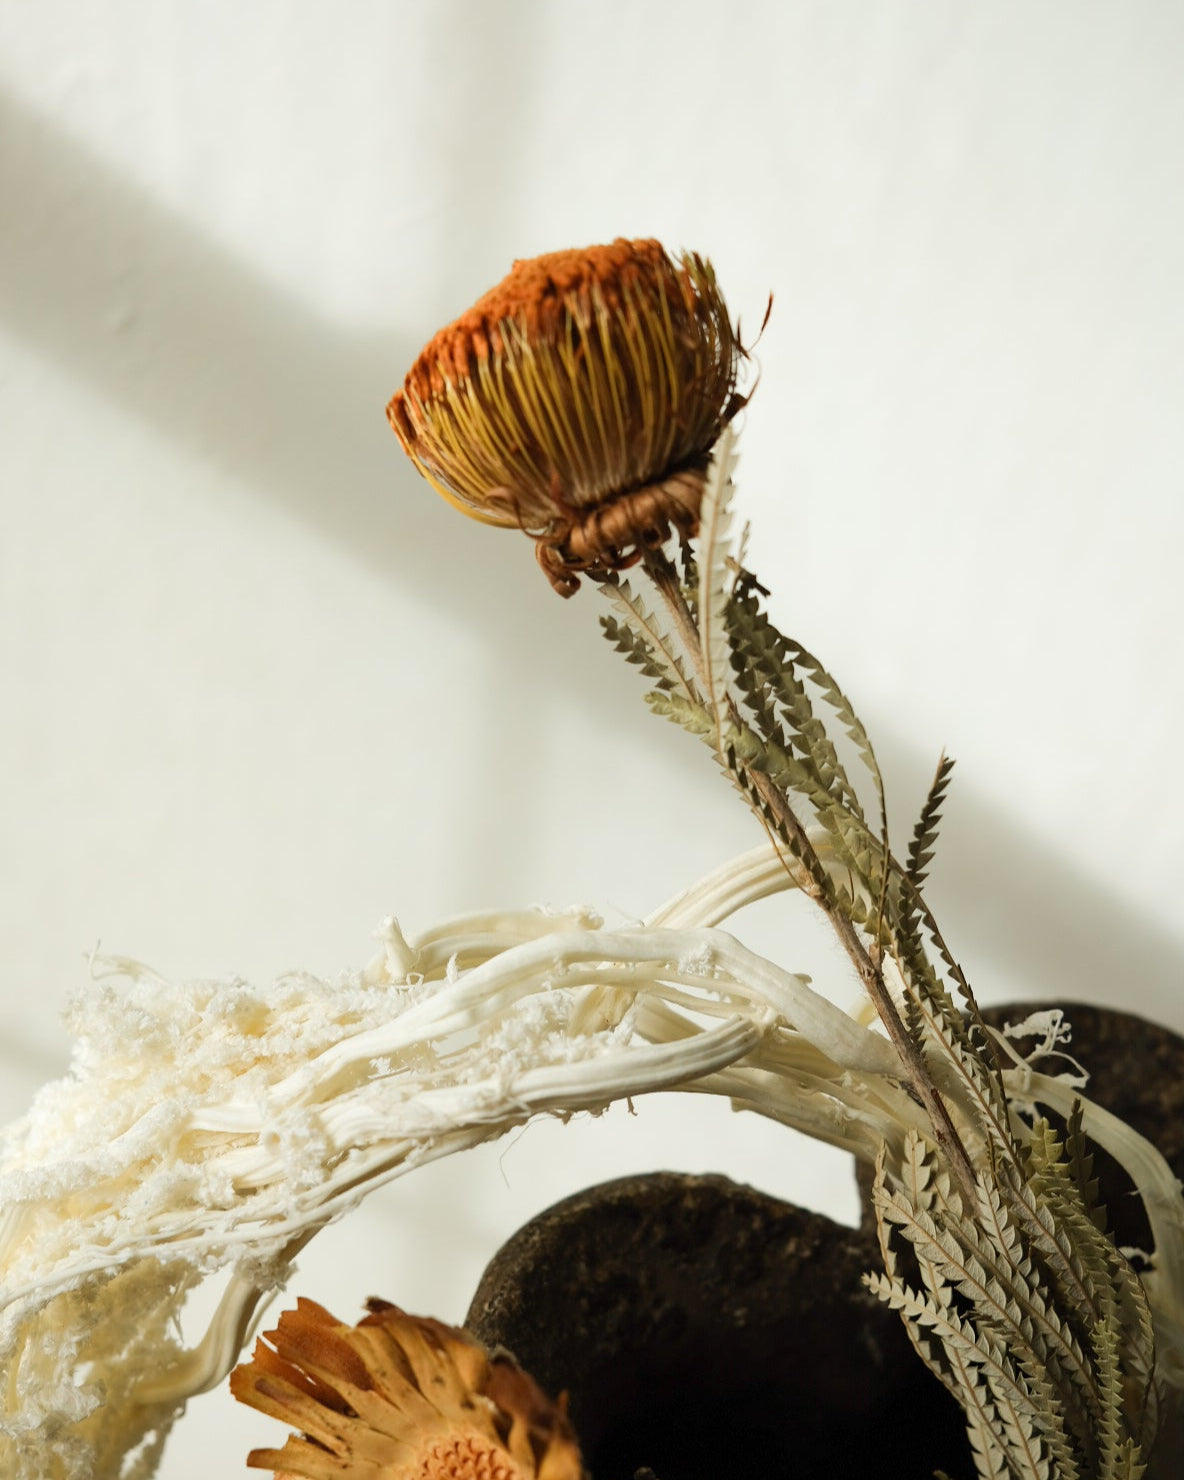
(614, 535)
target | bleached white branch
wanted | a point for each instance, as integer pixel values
(211, 1125)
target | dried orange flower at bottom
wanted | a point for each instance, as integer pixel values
(579, 401)
(400, 1397)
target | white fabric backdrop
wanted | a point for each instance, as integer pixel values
(261, 687)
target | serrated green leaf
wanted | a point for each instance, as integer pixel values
(651, 635)
(925, 833)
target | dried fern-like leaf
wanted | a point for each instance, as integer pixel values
(981, 1089)
(1008, 1414)
(791, 841)
(1080, 1162)
(925, 833)
(790, 773)
(1120, 1456)
(716, 574)
(833, 695)
(763, 662)
(990, 1458)
(652, 635)
(693, 716)
(1015, 1306)
(636, 650)
(1112, 1288)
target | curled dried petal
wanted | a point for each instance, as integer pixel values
(400, 1397)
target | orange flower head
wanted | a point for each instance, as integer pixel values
(579, 401)
(400, 1397)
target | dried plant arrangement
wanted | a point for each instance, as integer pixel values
(587, 401)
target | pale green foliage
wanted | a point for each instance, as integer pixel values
(1028, 1325)
(994, 1250)
(925, 833)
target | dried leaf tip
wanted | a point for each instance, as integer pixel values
(400, 1397)
(578, 400)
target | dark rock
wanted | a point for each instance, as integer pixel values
(703, 1330)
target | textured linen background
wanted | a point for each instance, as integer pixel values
(262, 687)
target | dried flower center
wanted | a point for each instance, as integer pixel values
(466, 1457)
(402, 1397)
(539, 294)
(578, 401)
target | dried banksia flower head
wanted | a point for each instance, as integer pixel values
(578, 400)
(400, 1397)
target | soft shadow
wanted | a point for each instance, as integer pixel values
(1053, 931)
(129, 298)
(1036, 925)
(97, 276)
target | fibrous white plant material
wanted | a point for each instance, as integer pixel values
(212, 1126)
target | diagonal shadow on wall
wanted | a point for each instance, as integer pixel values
(97, 276)
(111, 285)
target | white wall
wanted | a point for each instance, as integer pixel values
(261, 687)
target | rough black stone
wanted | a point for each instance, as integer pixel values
(705, 1330)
